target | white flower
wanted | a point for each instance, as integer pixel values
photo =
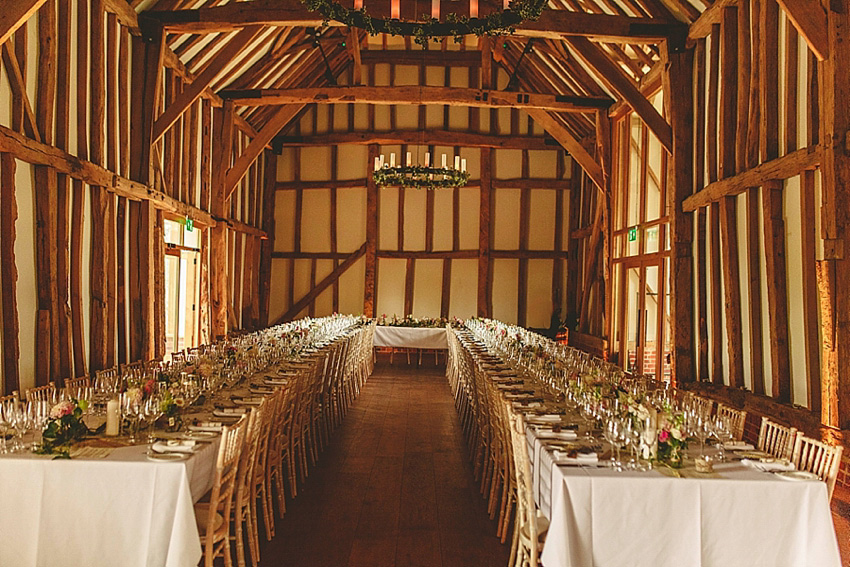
(676, 433)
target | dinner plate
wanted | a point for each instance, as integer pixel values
(796, 475)
(167, 457)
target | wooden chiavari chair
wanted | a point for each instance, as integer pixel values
(776, 439)
(817, 457)
(244, 508)
(15, 397)
(705, 406)
(213, 515)
(42, 393)
(530, 526)
(261, 485)
(735, 418)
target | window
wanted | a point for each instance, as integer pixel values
(640, 283)
(182, 259)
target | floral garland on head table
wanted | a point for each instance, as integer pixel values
(429, 28)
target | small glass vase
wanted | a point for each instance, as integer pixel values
(170, 423)
(676, 457)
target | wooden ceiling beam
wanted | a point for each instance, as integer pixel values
(570, 143)
(416, 95)
(193, 90)
(14, 14)
(552, 24)
(809, 17)
(275, 124)
(616, 80)
(414, 137)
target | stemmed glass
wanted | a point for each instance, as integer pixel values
(130, 409)
(721, 431)
(613, 433)
(699, 426)
(151, 411)
(4, 426)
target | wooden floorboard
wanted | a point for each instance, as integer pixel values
(394, 488)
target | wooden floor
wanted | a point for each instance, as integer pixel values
(393, 488)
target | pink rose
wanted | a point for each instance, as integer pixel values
(61, 409)
(664, 436)
(149, 387)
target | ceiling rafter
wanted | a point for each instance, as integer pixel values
(624, 86)
(418, 95)
(192, 91)
(551, 24)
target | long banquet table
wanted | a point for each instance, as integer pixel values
(410, 337)
(739, 516)
(603, 518)
(119, 510)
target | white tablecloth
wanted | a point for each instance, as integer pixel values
(410, 337)
(602, 518)
(123, 510)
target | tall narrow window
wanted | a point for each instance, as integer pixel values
(640, 326)
(182, 255)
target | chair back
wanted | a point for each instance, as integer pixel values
(817, 457)
(776, 439)
(735, 418)
(46, 393)
(704, 406)
(13, 397)
(526, 517)
(226, 467)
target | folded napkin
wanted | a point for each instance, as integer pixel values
(737, 446)
(769, 465)
(206, 426)
(575, 457)
(247, 400)
(548, 418)
(229, 412)
(174, 446)
(261, 390)
(564, 434)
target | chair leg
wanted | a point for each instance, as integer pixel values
(239, 536)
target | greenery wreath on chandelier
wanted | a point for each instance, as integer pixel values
(429, 28)
(419, 177)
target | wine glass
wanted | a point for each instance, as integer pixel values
(613, 433)
(723, 434)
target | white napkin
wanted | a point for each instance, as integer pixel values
(248, 400)
(206, 426)
(174, 446)
(548, 418)
(774, 466)
(261, 390)
(229, 412)
(564, 434)
(580, 459)
(738, 446)
(276, 381)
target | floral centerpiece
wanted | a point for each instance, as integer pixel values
(64, 426)
(170, 407)
(672, 441)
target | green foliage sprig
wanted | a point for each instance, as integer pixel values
(64, 427)
(428, 28)
(420, 177)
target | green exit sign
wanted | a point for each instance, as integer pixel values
(632, 234)
(190, 224)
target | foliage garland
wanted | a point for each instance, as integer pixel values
(419, 177)
(495, 24)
